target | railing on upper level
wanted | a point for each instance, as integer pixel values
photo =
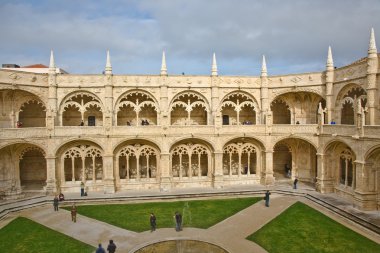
(193, 130)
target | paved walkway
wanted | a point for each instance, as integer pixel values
(229, 234)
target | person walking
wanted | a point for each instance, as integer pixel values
(295, 183)
(267, 194)
(152, 222)
(55, 203)
(100, 249)
(74, 213)
(178, 221)
(111, 247)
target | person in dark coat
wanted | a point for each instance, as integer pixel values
(178, 221)
(55, 203)
(111, 247)
(100, 249)
(152, 222)
(295, 183)
(267, 198)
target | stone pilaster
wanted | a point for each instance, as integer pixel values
(51, 186)
(165, 178)
(218, 170)
(323, 184)
(268, 174)
(108, 174)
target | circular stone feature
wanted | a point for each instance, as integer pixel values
(181, 246)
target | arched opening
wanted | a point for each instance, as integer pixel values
(238, 108)
(295, 158)
(136, 108)
(33, 170)
(138, 160)
(20, 108)
(33, 114)
(241, 157)
(340, 167)
(81, 162)
(282, 161)
(370, 179)
(347, 101)
(191, 160)
(82, 107)
(281, 112)
(188, 108)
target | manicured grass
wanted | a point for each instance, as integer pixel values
(23, 235)
(300, 228)
(135, 217)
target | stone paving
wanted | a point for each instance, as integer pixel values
(229, 234)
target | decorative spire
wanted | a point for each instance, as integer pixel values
(52, 63)
(264, 71)
(164, 70)
(214, 67)
(329, 62)
(372, 43)
(108, 64)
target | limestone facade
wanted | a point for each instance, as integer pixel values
(167, 131)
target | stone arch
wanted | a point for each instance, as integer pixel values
(239, 108)
(340, 167)
(22, 168)
(346, 101)
(32, 114)
(370, 179)
(189, 108)
(295, 157)
(137, 160)
(242, 156)
(191, 159)
(80, 161)
(299, 107)
(15, 103)
(81, 106)
(135, 106)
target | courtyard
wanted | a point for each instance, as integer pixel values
(233, 234)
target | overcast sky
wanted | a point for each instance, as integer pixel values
(293, 34)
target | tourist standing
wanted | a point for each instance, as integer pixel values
(74, 213)
(178, 221)
(152, 222)
(111, 247)
(100, 249)
(295, 183)
(55, 203)
(267, 194)
(82, 189)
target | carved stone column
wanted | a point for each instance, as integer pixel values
(364, 199)
(268, 177)
(218, 169)
(51, 186)
(108, 174)
(166, 179)
(323, 184)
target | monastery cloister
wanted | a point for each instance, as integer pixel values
(122, 132)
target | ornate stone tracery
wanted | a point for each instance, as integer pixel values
(136, 106)
(239, 159)
(190, 160)
(189, 108)
(239, 108)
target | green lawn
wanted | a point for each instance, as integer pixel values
(300, 228)
(196, 213)
(23, 235)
